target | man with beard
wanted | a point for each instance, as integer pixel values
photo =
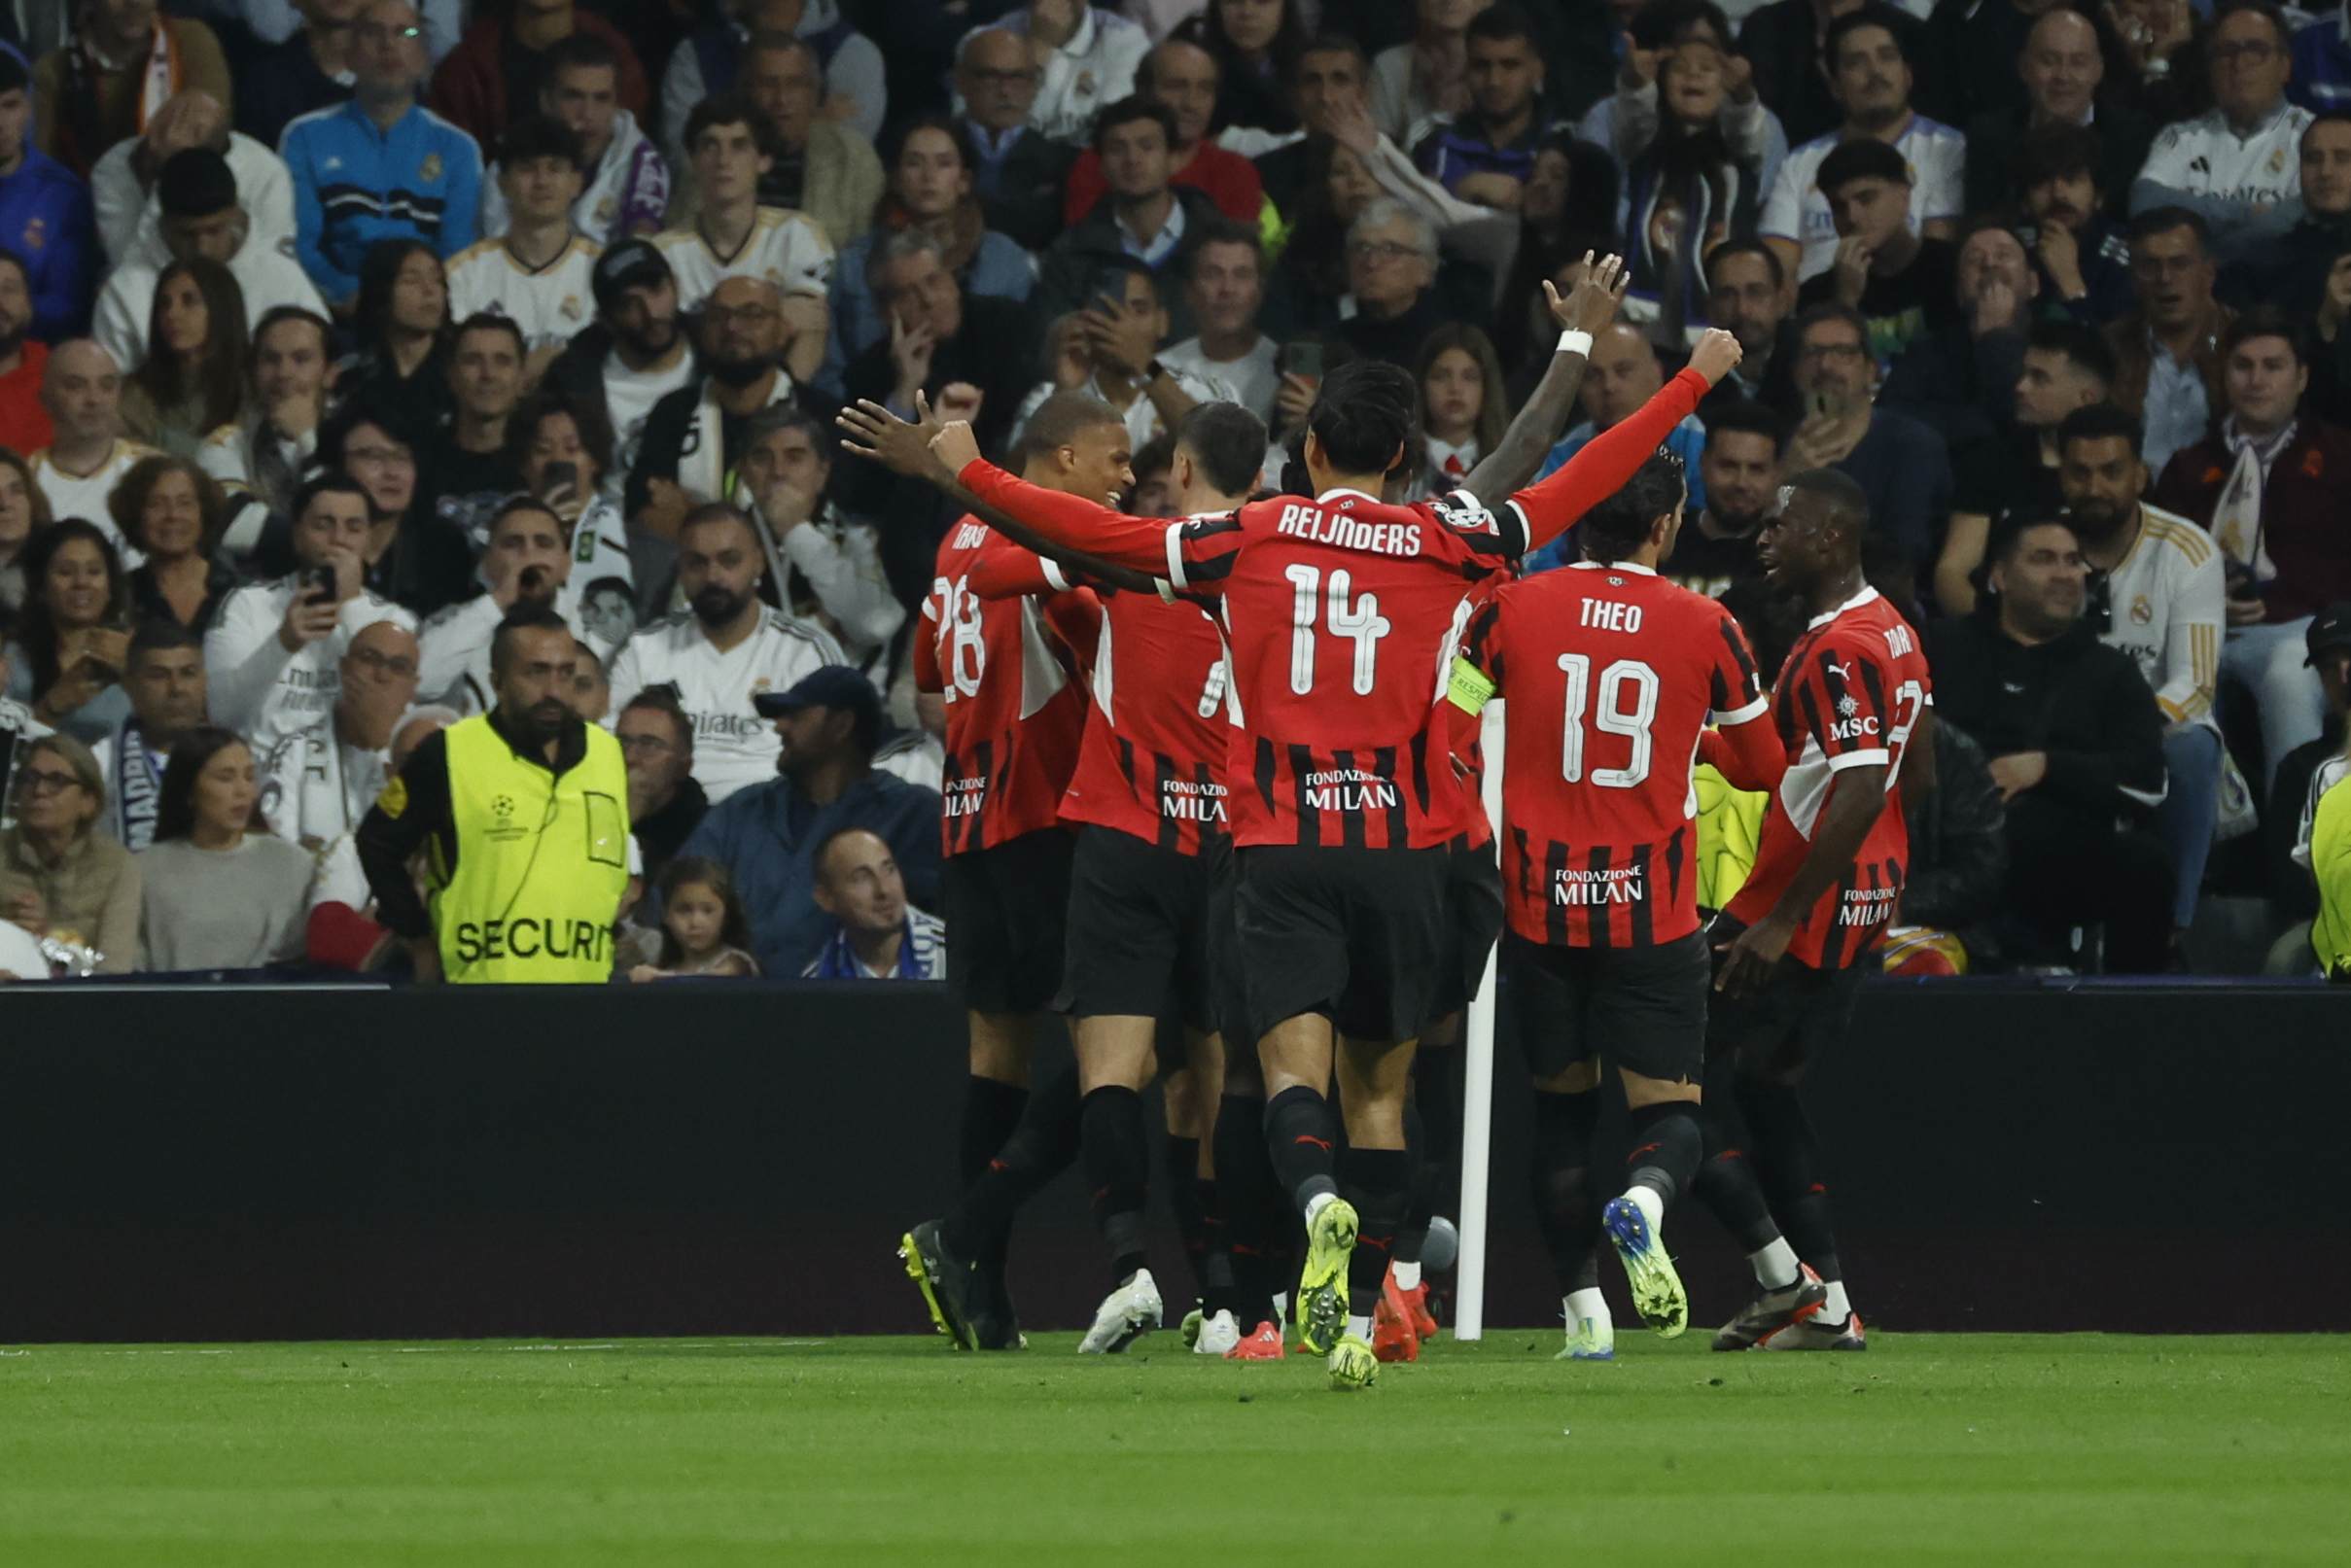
(2079, 252)
(632, 355)
(2076, 742)
(165, 678)
(527, 806)
(2157, 591)
(1714, 552)
(723, 652)
(695, 435)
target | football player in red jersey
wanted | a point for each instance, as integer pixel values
(1850, 708)
(1014, 716)
(1345, 796)
(1611, 674)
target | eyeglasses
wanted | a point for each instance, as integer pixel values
(645, 742)
(377, 33)
(1380, 249)
(392, 664)
(378, 454)
(46, 781)
(1847, 352)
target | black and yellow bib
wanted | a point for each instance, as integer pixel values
(541, 861)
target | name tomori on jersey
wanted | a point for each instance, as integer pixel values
(1312, 523)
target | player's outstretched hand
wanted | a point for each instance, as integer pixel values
(1751, 957)
(893, 442)
(1717, 354)
(1593, 303)
(956, 446)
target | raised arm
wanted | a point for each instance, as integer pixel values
(1066, 522)
(1550, 509)
(1588, 308)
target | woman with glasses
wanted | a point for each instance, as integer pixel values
(59, 877)
(221, 892)
(66, 662)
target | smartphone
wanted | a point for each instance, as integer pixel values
(1302, 359)
(558, 477)
(2029, 236)
(317, 584)
(1828, 407)
(1109, 290)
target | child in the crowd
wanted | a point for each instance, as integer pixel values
(704, 931)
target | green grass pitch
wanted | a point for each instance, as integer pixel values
(2080, 1451)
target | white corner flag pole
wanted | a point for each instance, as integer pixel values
(1477, 1087)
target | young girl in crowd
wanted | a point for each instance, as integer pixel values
(704, 931)
(1463, 407)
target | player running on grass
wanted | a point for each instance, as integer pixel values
(1850, 707)
(1611, 674)
(1342, 614)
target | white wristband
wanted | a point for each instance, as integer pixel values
(1572, 341)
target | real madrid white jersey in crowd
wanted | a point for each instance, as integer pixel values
(785, 248)
(2166, 612)
(1094, 67)
(2205, 156)
(130, 213)
(259, 690)
(83, 495)
(1796, 210)
(453, 649)
(550, 303)
(630, 396)
(625, 193)
(734, 748)
(314, 789)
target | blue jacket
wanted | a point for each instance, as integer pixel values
(45, 217)
(1686, 441)
(355, 185)
(765, 836)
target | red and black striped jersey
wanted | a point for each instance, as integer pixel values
(1013, 712)
(1849, 697)
(1340, 616)
(1611, 674)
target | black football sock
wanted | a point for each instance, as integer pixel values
(1726, 1181)
(1787, 1163)
(1301, 1135)
(1413, 1234)
(1566, 1209)
(1666, 1148)
(1180, 1159)
(1436, 1091)
(1250, 1204)
(1042, 1147)
(1117, 1156)
(1379, 1183)
(992, 1110)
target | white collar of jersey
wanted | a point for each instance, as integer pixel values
(1856, 602)
(1346, 490)
(1634, 567)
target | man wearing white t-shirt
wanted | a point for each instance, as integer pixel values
(122, 184)
(82, 391)
(723, 651)
(1226, 287)
(626, 187)
(526, 558)
(2238, 165)
(1870, 78)
(317, 783)
(537, 271)
(632, 356)
(733, 236)
(273, 657)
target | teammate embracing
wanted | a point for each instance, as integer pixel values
(1611, 674)
(1852, 704)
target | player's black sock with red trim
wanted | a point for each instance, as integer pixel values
(1666, 1148)
(1787, 1163)
(1413, 1234)
(1249, 1201)
(1042, 1147)
(992, 1110)
(1566, 1209)
(1117, 1156)
(1726, 1180)
(1379, 1183)
(1301, 1139)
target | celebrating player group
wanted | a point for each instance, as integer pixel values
(1212, 792)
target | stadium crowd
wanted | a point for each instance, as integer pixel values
(335, 336)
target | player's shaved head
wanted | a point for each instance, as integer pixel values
(1815, 538)
(1062, 418)
(1078, 444)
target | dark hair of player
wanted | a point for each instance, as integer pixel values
(1742, 417)
(1227, 441)
(1619, 525)
(1847, 503)
(527, 614)
(1364, 414)
(1064, 417)
(2085, 350)
(2100, 422)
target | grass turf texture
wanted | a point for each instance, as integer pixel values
(2083, 1449)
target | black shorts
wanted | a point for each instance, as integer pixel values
(1139, 930)
(1642, 1008)
(1783, 1024)
(1359, 935)
(1473, 902)
(1007, 910)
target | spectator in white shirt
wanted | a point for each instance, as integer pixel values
(2238, 165)
(632, 355)
(82, 392)
(535, 267)
(1870, 76)
(122, 182)
(1224, 287)
(1093, 59)
(263, 454)
(828, 565)
(201, 217)
(273, 656)
(318, 782)
(723, 650)
(625, 187)
(526, 558)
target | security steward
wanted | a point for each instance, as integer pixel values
(522, 816)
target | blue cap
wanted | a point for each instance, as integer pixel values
(834, 685)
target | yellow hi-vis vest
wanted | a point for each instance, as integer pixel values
(541, 861)
(2330, 864)
(1730, 827)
